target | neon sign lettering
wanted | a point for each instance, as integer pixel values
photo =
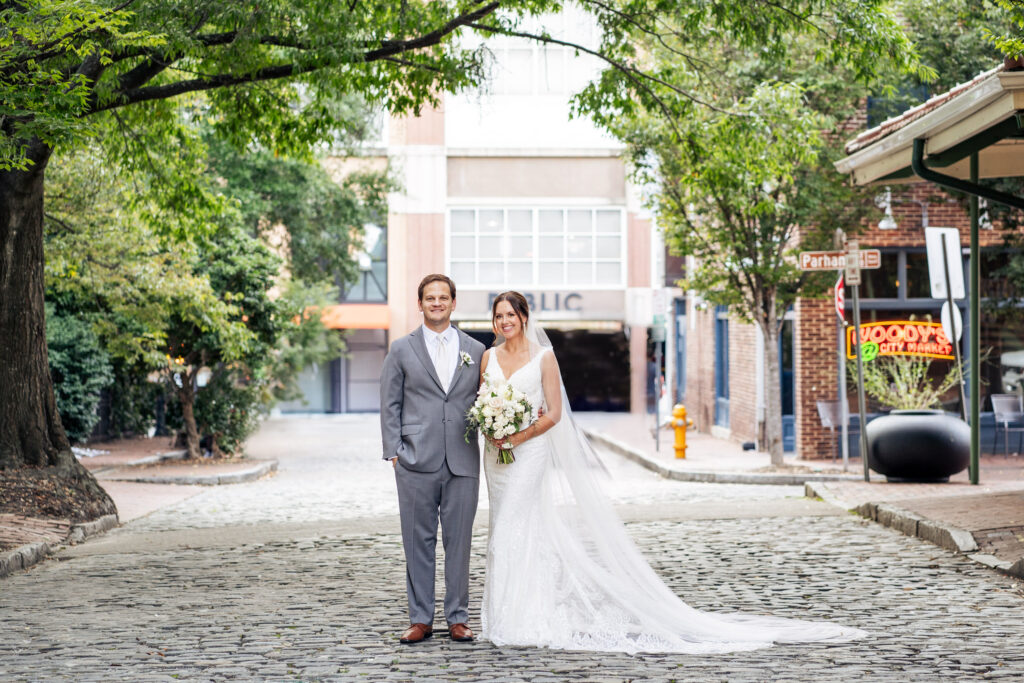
(903, 338)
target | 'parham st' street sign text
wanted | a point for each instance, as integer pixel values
(836, 260)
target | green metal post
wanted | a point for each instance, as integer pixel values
(975, 329)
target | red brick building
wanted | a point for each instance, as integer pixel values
(724, 383)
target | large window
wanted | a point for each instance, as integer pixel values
(548, 247)
(524, 68)
(371, 285)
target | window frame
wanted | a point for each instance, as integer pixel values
(536, 260)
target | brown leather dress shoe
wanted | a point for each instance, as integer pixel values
(460, 633)
(416, 633)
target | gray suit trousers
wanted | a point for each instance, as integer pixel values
(421, 495)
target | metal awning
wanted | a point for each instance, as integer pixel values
(985, 115)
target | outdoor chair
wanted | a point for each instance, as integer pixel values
(1007, 409)
(831, 417)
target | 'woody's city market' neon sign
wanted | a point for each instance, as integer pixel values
(901, 338)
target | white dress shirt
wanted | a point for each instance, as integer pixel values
(451, 338)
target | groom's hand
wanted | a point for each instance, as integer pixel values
(393, 461)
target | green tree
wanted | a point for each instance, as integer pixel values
(742, 193)
(148, 296)
(234, 332)
(135, 74)
(733, 139)
(138, 73)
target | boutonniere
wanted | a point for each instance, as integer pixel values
(466, 358)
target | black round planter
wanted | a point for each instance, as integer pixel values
(918, 445)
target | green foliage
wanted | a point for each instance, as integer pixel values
(80, 369)
(271, 72)
(1010, 42)
(731, 116)
(160, 304)
(673, 57)
(306, 341)
(322, 219)
(952, 37)
(904, 382)
(228, 409)
(133, 399)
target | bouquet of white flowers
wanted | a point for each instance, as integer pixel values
(499, 411)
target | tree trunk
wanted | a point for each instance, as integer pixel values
(31, 434)
(187, 396)
(772, 393)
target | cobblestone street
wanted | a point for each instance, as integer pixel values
(300, 576)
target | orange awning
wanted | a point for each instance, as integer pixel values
(357, 317)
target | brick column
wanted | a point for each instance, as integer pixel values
(815, 374)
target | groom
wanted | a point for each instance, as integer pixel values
(429, 381)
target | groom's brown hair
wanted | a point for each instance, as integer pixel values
(435, 277)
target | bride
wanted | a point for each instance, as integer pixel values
(561, 570)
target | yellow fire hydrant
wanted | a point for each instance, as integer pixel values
(679, 422)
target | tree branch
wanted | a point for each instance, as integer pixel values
(630, 71)
(279, 71)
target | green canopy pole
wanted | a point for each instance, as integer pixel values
(975, 329)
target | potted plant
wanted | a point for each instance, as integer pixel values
(916, 441)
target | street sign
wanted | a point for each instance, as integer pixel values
(840, 299)
(836, 260)
(947, 324)
(852, 271)
(933, 238)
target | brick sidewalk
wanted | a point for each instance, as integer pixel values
(17, 530)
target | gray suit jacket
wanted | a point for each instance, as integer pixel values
(419, 423)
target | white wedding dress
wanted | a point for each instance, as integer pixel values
(563, 573)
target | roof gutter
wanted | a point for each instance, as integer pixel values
(948, 181)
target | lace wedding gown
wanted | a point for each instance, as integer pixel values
(563, 573)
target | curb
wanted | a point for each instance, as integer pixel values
(148, 460)
(711, 477)
(28, 555)
(955, 539)
(251, 474)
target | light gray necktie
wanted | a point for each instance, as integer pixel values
(441, 362)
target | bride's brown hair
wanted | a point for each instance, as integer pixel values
(518, 303)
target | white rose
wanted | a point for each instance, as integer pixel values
(495, 402)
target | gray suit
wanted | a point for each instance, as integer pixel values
(437, 472)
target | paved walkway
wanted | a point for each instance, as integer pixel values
(989, 518)
(707, 458)
(300, 576)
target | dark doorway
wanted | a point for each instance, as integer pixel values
(594, 364)
(786, 386)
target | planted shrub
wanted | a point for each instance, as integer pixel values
(80, 369)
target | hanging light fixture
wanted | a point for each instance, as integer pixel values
(884, 202)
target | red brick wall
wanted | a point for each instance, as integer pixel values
(943, 212)
(700, 369)
(815, 374)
